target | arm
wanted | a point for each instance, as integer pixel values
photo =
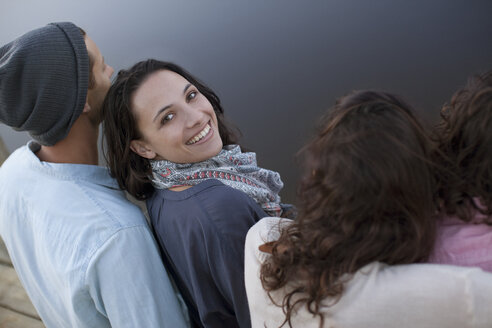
(129, 284)
(263, 311)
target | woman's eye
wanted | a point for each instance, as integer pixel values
(192, 95)
(167, 118)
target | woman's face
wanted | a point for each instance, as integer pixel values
(176, 121)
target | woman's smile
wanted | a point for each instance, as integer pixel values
(202, 136)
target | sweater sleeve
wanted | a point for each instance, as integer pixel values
(478, 292)
(260, 305)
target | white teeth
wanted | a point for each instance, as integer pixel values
(200, 135)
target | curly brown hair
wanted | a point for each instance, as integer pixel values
(120, 125)
(367, 196)
(464, 150)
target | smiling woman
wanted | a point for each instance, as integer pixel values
(167, 142)
(168, 107)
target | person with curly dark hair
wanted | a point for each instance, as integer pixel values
(464, 150)
(365, 214)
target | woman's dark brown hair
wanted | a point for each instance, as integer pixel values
(367, 195)
(465, 150)
(120, 126)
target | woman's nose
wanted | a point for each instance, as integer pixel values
(194, 116)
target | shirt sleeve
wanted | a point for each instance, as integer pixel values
(129, 284)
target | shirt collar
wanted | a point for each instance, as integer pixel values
(91, 173)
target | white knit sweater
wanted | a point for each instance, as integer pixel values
(379, 296)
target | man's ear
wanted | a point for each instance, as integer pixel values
(140, 148)
(87, 108)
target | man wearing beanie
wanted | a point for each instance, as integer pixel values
(84, 254)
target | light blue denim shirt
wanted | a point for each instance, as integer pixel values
(84, 254)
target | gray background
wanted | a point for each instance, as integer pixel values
(278, 64)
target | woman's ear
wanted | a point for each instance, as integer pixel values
(140, 148)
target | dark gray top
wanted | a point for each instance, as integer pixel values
(202, 231)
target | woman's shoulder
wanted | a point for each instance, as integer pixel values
(264, 231)
(269, 228)
(430, 290)
(463, 243)
(210, 188)
(212, 205)
(423, 274)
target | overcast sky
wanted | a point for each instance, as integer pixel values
(279, 64)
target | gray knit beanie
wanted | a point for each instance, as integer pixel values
(44, 76)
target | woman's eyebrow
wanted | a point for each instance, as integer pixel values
(166, 107)
(160, 111)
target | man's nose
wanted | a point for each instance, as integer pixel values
(110, 70)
